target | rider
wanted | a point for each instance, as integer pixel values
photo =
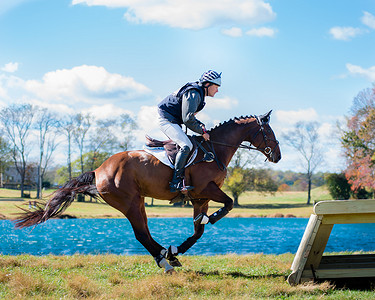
(180, 108)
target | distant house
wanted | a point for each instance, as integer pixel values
(10, 178)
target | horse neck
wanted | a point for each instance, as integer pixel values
(232, 134)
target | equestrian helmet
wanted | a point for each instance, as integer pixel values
(212, 77)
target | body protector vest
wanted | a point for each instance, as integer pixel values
(171, 107)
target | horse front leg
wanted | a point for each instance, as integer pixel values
(213, 192)
(200, 206)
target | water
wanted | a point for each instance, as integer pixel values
(230, 235)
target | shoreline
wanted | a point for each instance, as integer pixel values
(155, 215)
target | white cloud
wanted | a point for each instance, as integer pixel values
(260, 32)
(221, 103)
(147, 121)
(106, 111)
(85, 83)
(232, 32)
(59, 108)
(193, 14)
(292, 117)
(345, 33)
(10, 67)
(368, 20)
(357, 70)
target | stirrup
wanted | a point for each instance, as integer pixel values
(180, 186)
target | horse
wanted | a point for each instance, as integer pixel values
(125, 179)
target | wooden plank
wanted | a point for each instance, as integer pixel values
(308, 275)
(309, 262)
(304, 248)
(306, 242)
(344, 207)
(349, 218)
(348, 259)
(319, 245)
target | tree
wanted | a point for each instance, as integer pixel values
(358, 141)
(17, 120)
(5, 157)
(67, 126)
(102, 140)
(338, 186)
(236, 183)
(89, 164)
(127, 125)
(82, 124)
(260, 180)
(304, 138)
(45, 123)
(241, 180)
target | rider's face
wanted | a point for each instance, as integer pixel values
(212, 90)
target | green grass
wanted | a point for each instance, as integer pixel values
(252, 204)
(137, 277)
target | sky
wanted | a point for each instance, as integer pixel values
(305, 60)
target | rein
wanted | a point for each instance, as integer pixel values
(211, 156)
(266, 150)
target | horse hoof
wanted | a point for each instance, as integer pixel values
(175, 263)
(170, 271)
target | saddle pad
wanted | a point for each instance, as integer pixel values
(161, 154)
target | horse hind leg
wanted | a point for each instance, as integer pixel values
(138, 219)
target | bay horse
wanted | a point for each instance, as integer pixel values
(126, 178)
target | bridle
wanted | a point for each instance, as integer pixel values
(267, 149)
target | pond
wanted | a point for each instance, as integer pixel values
(230, 235)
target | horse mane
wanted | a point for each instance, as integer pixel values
(236, 120)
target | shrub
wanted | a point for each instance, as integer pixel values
(338, 186)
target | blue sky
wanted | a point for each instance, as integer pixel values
(306, 60)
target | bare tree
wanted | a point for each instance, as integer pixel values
(244, 158)
(67, 126)
(82, 124)
(45, 123)
(5, 156)
(304, 138)
(127, 125)
(102, 140)
(17, 121)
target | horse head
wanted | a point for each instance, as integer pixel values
(264, 139)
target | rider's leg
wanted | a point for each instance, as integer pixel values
(178, 175)
(176, 134)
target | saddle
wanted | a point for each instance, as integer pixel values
(171, 148)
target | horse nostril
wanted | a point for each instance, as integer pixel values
(276, 158)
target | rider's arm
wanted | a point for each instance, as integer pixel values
(190, 102)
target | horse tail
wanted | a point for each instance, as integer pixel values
(60, 201)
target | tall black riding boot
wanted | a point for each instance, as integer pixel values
(177, 183)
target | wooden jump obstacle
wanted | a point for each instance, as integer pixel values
(309, 263)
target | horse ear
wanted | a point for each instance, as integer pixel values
(266, 117)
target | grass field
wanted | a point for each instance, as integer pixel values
(252, 204)
(232, 276)
(137, 277)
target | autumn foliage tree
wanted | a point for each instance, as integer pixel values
(358, 141)
(241, 180)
